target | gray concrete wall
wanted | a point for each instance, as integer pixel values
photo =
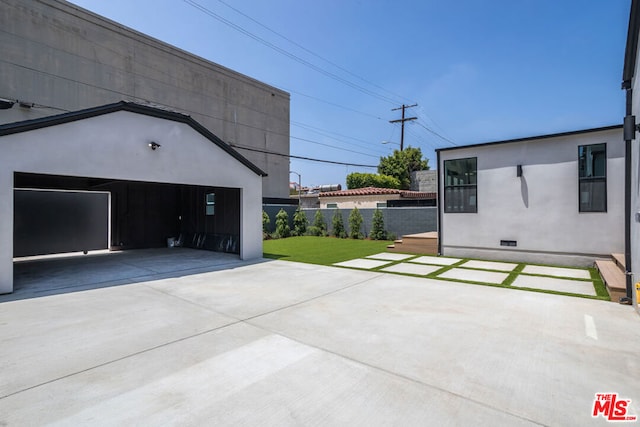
(65, 58)
(426, 181)
(399, 221)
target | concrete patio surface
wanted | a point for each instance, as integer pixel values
(389, 256)
(573, 273)
(489, 265)
(409, 268)
(555, 284)
(435, 260)
(281, 343)
(475, 275)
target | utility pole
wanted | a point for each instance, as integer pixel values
(402, 120)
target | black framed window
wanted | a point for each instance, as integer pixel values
(210, 204)
(460, 185)
(592, 178)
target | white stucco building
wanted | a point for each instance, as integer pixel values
(554, 199)
(122, 176)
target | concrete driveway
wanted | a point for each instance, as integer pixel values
(280, 343)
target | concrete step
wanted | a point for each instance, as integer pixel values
(613, 278)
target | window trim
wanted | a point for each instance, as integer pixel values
(459, 186)
(593, 179)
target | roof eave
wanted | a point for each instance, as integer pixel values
(42, 122)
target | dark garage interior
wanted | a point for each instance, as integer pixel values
(143, 215)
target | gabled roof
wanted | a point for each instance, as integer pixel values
(375, 191)
(43, 122)
(533, 138)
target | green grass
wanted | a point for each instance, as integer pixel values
(321, 250)
(329, 250)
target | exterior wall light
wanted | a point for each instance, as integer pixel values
(154, 145)
(519, 170)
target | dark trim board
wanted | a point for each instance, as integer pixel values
(531, 138)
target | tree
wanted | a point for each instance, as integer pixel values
(265, 222)
(361, 180)
(401, 163)
(377, 228)
(355, 223)
(319, 227)
(338, 224)
(300, 222)
(282, 224)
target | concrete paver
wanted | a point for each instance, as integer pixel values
(489, 265)
(282, 343)
(362, 263)
(574, 273)
(408, 268)
(389, 256)
(474, 275)
(554, 284)
(435, 260)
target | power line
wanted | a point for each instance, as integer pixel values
(293, 42)
(437, 134)
(332, 103)
(291, 156)
(288, 54)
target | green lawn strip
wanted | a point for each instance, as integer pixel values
(330, 250)
(598, 284)
(321, 250)
(514, 275)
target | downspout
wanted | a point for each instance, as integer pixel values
(629, 135)
(440, 196)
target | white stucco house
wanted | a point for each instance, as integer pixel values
(374, 197)
(554, 199)
(120, 176)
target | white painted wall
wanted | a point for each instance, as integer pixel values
(115, 146)
(539, 210)
(360, 202)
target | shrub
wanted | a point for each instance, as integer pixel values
(318, 222)
(377, 228)
(300, 222)
(355, 223)
(282, 224)
(312, 230)
(265, 222)
(338, 224)
(361, 180)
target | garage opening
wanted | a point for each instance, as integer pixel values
(83, 213)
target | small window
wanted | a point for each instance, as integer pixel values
(381, 205)
(210, 206)
(332, 205)
(592, 178)
(460, 185)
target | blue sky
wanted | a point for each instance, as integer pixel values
(480, 71)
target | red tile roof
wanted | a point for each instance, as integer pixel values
(373, 191)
